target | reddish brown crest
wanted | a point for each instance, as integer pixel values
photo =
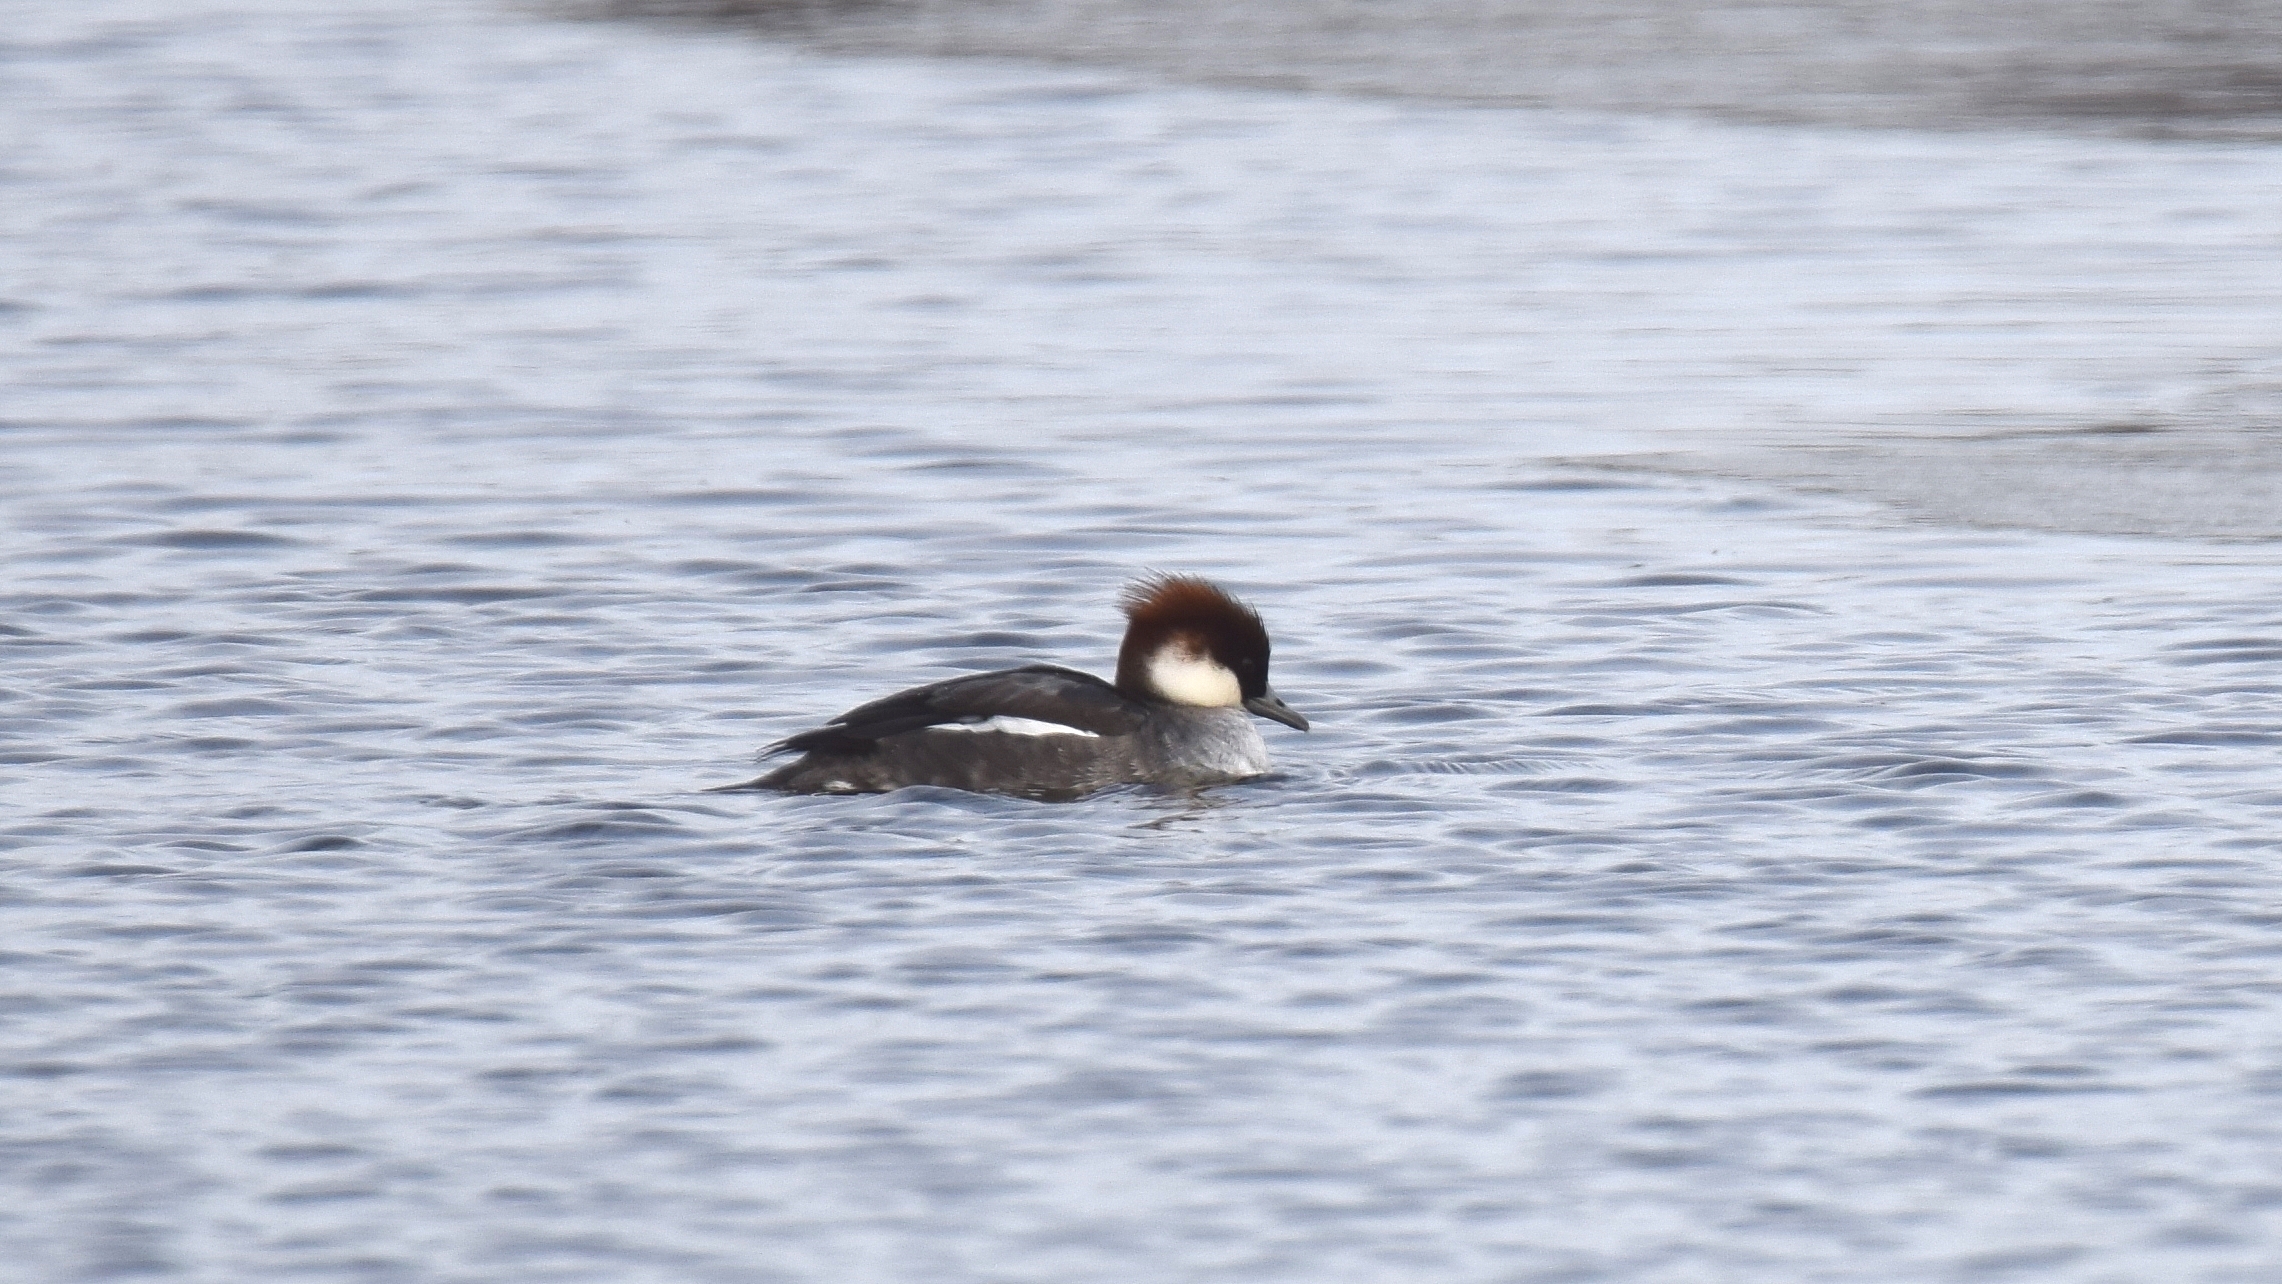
(1199, 616)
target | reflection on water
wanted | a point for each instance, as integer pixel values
(439, 442)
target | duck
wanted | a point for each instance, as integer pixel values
(1192, 674)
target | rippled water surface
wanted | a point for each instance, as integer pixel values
(2164, 68)
(441, 441)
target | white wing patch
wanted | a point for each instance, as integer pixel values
(1016, 727)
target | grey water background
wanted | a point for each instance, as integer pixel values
(2152, 68)
(1786, 606)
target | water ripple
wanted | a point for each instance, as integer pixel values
(440, 447)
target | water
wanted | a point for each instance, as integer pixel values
(441, 440)
(2149, 68)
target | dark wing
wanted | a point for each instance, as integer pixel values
(1044, 692)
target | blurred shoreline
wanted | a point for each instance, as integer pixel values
(2179, 69)
(2096, 285)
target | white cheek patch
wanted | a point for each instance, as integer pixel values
(1016, 727)
(1185, 678)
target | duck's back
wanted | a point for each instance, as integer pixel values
(1042, 731)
